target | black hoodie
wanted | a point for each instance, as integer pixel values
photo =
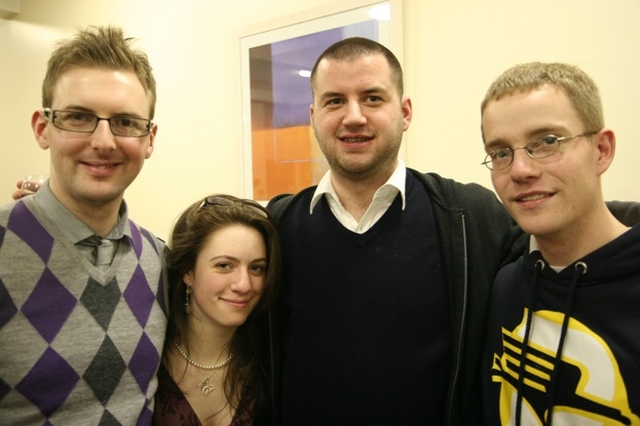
(579, 332)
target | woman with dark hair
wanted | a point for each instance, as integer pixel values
(223, 269)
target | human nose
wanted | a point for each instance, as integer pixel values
(523, 165)
(354, 115)
(242, 284)
(102, 139)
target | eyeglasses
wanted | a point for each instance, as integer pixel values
(217, 200)
(83, 122)
(538, 148)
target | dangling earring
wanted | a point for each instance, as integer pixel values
(187, 308)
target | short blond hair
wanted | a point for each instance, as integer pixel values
(582, 91)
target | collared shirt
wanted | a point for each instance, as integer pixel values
(382, 199)
(76, 230)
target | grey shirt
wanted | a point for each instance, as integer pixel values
(84, 238)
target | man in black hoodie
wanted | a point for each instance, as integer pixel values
(563, 338)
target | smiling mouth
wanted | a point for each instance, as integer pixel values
(237, 303)
(100, 166)
(532, 197)
(355, 140)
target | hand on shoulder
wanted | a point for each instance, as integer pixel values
(20, 193)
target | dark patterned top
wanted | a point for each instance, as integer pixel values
(173, 409)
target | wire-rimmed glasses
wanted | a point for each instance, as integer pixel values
(543, 147)
(84, 122)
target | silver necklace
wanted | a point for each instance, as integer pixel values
(205, 386)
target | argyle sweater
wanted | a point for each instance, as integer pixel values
(77, 345)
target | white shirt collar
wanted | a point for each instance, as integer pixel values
(397, 180)
(382, 199)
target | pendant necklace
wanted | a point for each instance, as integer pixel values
(205, 386)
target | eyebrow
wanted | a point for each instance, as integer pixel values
(233, 258)
(493, 145)
(531, 135)
(86, 110)
(326, 95)
(369, 91)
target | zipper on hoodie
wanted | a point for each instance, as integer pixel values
(458, 355)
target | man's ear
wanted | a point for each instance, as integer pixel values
(39, 125)
(605, 142)
(407, 112)
(152, 140)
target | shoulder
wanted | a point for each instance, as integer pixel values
(627, 212)
(487, 222)
(5, 214)
(280, 204)
(140, 234)
(453, 194)
(21, 215)
(6, 209)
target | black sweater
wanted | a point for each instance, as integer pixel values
(476, 237)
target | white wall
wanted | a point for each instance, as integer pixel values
(452, 52)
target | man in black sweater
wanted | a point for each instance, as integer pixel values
(387, 271)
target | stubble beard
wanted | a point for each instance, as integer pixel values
(380, 162)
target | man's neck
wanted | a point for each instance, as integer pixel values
(567, 247)
(101, 218)
(357, 196)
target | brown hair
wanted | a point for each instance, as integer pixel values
(99, 47)
(189, 235)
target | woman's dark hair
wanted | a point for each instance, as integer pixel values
(190, 234)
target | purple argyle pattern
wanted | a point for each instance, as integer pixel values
(77, 345)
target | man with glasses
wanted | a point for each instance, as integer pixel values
(564, 327)
(81, 285)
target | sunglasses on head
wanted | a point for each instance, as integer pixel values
(222, 201)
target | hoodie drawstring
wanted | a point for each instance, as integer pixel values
(580, 269)
(539, 266)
